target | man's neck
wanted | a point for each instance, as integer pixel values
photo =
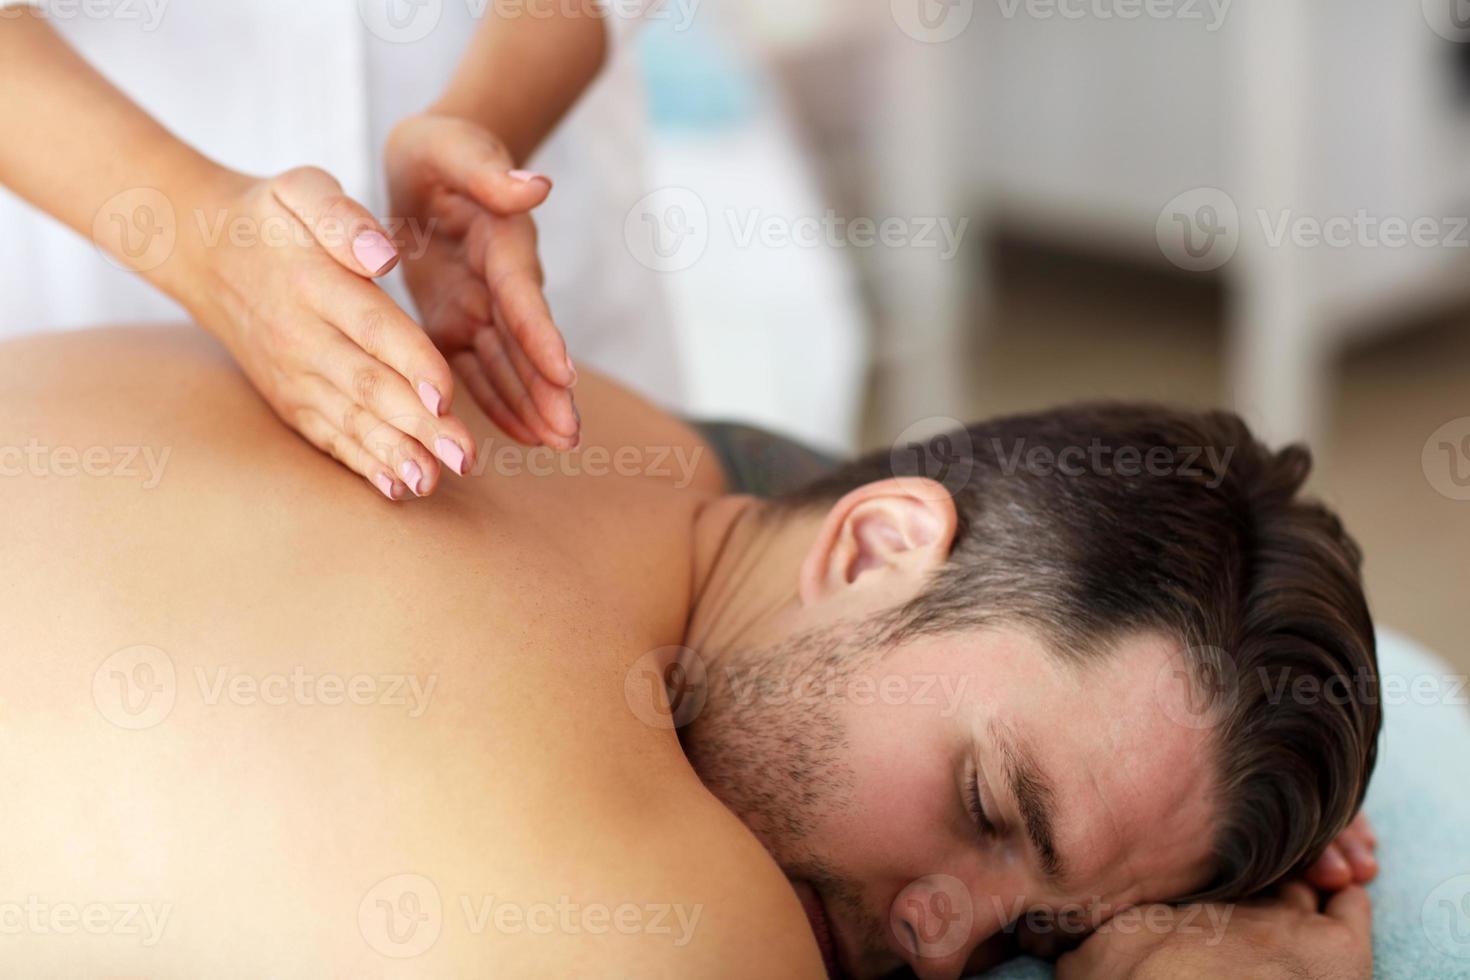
(746, 562)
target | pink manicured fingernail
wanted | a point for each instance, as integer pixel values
(384, 484)
(373, 251)
(526, 176)
(573, 369)
(413, 476)
(450, 452)
(429, 395)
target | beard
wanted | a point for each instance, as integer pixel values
(772, 746)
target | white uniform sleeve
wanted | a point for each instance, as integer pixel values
(19, 3)
(623, 18)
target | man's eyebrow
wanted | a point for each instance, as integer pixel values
(1034, 798)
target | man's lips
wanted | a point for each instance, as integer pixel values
(816, 916)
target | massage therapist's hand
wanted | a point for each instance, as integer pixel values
(331, 353)
(1290, 937)
(292, 296)
(478, 283)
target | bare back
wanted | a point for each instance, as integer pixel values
(333, 736)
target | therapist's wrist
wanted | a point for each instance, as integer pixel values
(205, 200)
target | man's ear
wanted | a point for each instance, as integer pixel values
(894, 532)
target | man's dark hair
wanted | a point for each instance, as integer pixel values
(1097, 520)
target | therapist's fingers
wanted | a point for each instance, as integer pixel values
(401, 454)
(330, 439)
(507, 251)
(494, 357)
(553, 402)
(453, 299)
(368, 384)
(344, 228)
(467, 363)
(468, 159)
(372, 321)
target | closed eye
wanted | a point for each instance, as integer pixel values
(976, 807)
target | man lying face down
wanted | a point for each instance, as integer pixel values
(1153, 676)
(1006, 689)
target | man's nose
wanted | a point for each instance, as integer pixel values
(938, 921)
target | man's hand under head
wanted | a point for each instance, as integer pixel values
(1293, 936)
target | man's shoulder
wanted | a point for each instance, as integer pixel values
(658, 884)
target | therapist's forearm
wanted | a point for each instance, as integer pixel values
(527, 64)
(73, 142)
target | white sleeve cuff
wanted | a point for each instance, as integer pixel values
(623, 18)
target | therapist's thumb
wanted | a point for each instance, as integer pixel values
(346, 229)
(470, 159)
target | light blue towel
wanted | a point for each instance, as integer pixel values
(1419, 804)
